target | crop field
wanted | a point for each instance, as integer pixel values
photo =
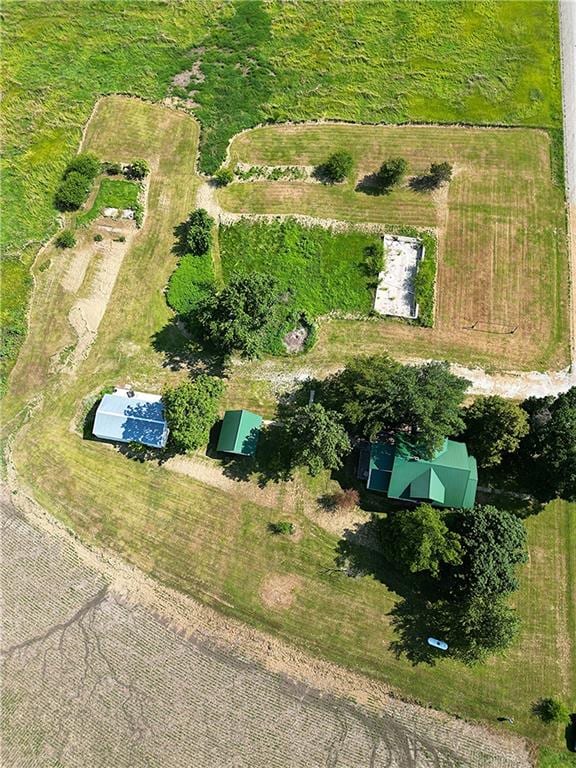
(501, 230)
(360, 61)
(67, 629)
(195, 526)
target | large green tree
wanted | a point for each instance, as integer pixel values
(198, 232)
(315, 438)
(337, 167)
(237, 318)
(481, 627)
(192, 410)
(548, 453)
(493, 545)
(377, 394)
(494, 426)
(391, 172)
(419, 540)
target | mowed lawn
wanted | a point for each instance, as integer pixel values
(214, 544)
(502, 296)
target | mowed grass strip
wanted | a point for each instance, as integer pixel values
(324, 270)
(502, 290)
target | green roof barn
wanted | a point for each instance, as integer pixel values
(239, 433)
(449, 479)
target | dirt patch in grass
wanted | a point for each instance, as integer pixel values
(295, 340)
(278, 591)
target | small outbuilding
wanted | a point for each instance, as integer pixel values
(449, 479)
(126, 416)
(239, 433)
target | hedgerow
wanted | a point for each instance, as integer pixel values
(190, 283)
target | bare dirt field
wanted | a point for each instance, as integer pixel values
(92, 678)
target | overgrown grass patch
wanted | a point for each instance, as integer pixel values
(191, 281)
(113, 193)
(324, 270)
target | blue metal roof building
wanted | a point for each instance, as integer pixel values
(127, 416)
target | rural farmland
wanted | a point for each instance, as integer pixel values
(288, 389)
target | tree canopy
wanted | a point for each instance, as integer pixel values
(316, 438)
(548, 452)
(391, 172)
(494, 426)
(198, 232)
(72, 192)
(192, 410)
(493, 545)
(337, 167)
(440, 172)
(420, 540)
(86, 164)
(377, 394)
(238, 317)
(138, 169)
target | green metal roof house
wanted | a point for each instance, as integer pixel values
(239, 433)
(449, 479)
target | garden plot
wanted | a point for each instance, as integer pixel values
(395, 291)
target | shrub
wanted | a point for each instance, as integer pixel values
(113, 169)
(391, 173)
(191, 283)
(223, 176)
(86, 164)
(98, 238)
(65, 239)
(337, 167)
(198, 232)
(72, 192)
(345, 500)
(550, 710)
(137, 170)
(120, 239)
(282, 527)
(192, 411)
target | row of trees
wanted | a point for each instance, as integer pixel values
(338, 168)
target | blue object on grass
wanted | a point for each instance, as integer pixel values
(438, 643)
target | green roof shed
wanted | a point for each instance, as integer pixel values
(239, 432)
(450, 479)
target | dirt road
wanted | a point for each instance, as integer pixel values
(567, 9)
(102, 667)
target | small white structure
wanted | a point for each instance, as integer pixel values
(395, 291)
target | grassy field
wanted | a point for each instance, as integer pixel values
(208, 537)
(112, 193)
(325, 271)
(501, 231)
(389, 61)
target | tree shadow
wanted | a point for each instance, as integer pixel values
(270, 463)
(570, 733)
(143, 453)
(181, 349)
(180, 247)
(322, 174)
(424, 183)
(371, 185)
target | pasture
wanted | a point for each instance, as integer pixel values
(494, 62)
(502, 249)
(193, 524)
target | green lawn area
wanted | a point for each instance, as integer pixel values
(112, 193)
(324, 270)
